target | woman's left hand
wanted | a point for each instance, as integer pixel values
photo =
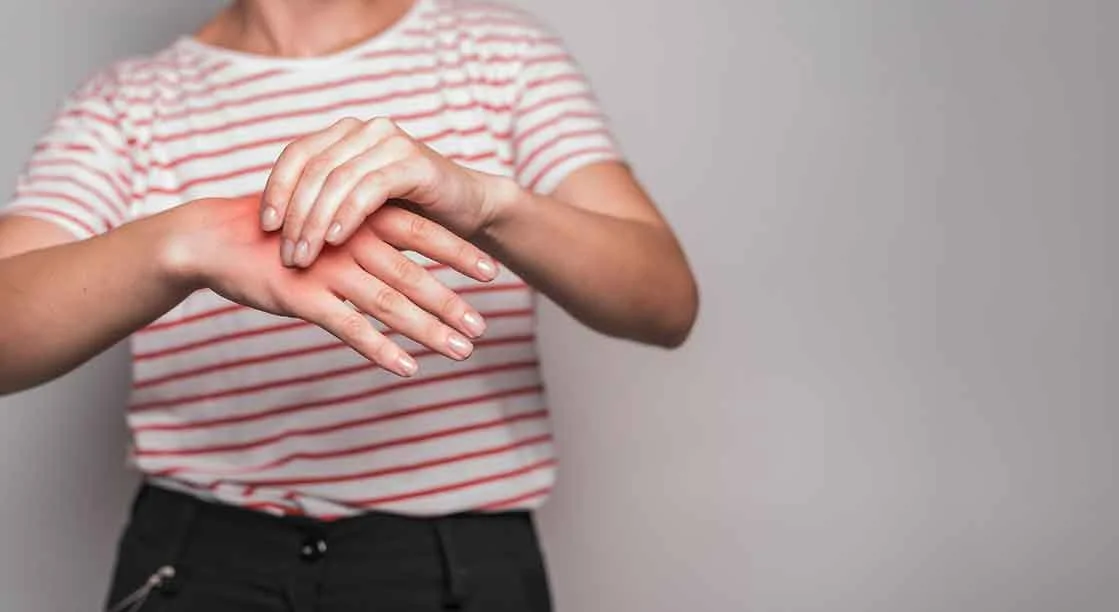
(325, 184)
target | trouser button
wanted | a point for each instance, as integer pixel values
(312, 549)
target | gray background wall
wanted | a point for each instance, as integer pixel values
(902, 393)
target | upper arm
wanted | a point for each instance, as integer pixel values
(609, 188)
(562, 143)
(20, 234)
(78, 177)
(558, 126)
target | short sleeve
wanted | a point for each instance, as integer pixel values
(77, 176)
(558, 126)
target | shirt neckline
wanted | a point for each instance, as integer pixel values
(384, 37)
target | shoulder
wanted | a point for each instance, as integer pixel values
(135, 80)
(488, 22)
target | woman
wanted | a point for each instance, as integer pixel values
(255, 184)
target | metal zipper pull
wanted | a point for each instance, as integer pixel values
(135, 600)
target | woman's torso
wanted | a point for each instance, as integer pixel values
(274, 413)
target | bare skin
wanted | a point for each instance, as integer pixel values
(325, 184)
(65, 301)
(597, 246)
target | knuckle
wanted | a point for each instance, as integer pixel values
(352, 325)
(399, 144)
(320, 164)
(284, 302)
(295, 215)
(383, 222)
(292, 230)
(381, 124)
(314, 227)
(419, 229)
(353, 205)
(450, 305)
(386, 352)
(407, 272)
(347, 123)
(276, 185)
(386, 300)
(292, 149)
(342, 175)
(464, 252)
(293, 226)
(434, 328)
(311, 310)
(424, 172)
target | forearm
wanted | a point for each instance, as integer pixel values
(622, 277)
(65, 304)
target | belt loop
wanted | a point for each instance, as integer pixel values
(454, 574)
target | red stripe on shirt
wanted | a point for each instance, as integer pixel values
(32, 194)
(333, 427)
(265, 167)
(523, 135)
(481, 288)
(240, 148)
(545, 146)
(517, 499)
(194, 317)
(333, 401)
(474, 482)
(288, 354)
(379, 446)
(326, 109)
(230, 337)
(211, 88)
(404, 468)
(119, 213)
(38, 164)
(50, 212)
(565, 158)
(582, 96)
(174, 402)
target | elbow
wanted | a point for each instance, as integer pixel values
(678, 320)
(8, 384)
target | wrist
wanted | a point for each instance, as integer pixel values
(503, 197)
(176, 258)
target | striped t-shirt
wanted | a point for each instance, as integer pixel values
(272, 413)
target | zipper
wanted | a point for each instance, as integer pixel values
(135, 600)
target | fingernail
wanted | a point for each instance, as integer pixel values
(460, 346)
(269, 218)
(287, 251)
(303, 253)
(474, 323)
(334, 232)
(487, 268)
(407, 366)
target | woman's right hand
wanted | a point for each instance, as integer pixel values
(218, 244)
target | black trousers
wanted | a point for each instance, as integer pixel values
(182, 554)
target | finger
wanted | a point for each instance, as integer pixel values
(399, 179)
(321, 223)
(315, 174)
(354, 329)
(409, 231)
(394, 309)
(420, 286)
(285, 172)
